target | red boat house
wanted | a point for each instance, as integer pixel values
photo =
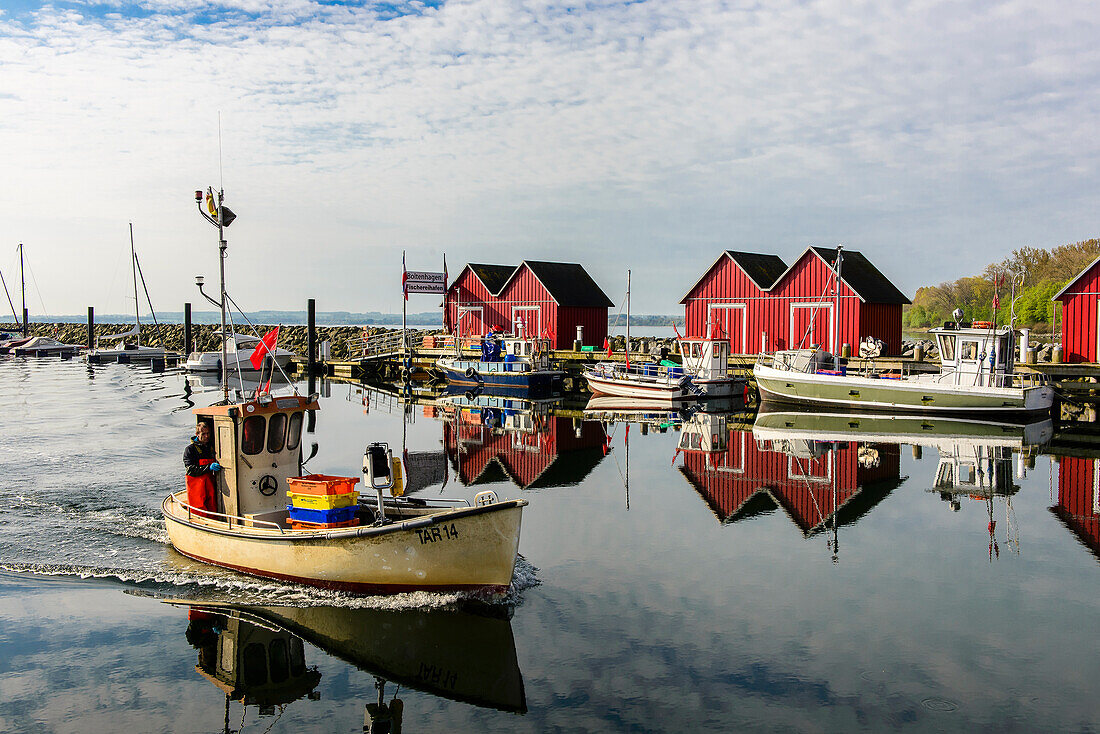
(1081, 315)
(760, 304)
(533, 298)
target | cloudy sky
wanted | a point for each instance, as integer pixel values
(934, 137)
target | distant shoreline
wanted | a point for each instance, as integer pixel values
(323, 318)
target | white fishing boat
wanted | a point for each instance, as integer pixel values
(251, 519)
(977, 375)
(397, 544)
(238, 352)
(126, 346)
(703, 372)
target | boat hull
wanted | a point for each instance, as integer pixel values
(912, 395)
(635, 386)
(537, 381)
(466, 548)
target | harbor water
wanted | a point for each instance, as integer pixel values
(678, 572)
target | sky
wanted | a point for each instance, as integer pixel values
(650, 135)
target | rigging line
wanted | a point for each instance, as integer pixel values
(36, 290)
(152, 311)
(9, 297)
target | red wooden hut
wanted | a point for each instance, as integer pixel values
(760, 304)
(538, 298)
(1081, 315)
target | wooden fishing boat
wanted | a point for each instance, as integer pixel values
(399, 544)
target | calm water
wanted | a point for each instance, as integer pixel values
(676, 576)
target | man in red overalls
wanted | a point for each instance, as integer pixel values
(198, 458)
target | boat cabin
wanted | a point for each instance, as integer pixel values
(259, 446)
(511, 354)
(706, 359)
(976, 354)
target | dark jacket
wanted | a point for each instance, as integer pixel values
(193, 453)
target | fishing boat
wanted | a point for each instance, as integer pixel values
(257, 520)
(505, 362)
(398, 544)
(703, 372)
(238, 351)
(977, 375)
(126, 346)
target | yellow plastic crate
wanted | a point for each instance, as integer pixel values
(323, 501)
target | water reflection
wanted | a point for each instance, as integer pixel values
(492, 439)
(255, 655)
(1078, 504)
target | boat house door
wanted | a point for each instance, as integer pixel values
(812, 323)
(471, 321)
(727, 321)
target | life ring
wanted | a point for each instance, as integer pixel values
(471, 372)
(982, 325)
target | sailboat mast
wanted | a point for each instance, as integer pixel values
(133, 268)
(23, 289)
(836, 300)
(627, 317)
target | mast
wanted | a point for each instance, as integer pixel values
(627, 349)
(133, 268)
(23, 289)
(836, 300)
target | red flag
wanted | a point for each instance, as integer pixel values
(267, 344)
(404, 277)
(607, 343)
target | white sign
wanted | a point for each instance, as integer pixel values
(419, 281)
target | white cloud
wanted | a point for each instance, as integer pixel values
(620, 134)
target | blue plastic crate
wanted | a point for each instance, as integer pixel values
(337, 514)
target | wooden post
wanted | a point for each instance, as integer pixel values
(311, 336)
(187, 330)
(91, 328)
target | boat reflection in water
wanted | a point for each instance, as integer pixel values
(975, 457)
(242, 384)
(820, 483)
(490, 438)
(256, 655)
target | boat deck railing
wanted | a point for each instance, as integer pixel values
(647, 370)
(193, 512)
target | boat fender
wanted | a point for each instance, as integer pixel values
(470, 395)
(405, 374)
(471, 372)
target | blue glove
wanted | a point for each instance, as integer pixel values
(215, 467)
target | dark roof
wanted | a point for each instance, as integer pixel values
(763, 269)
(493, 277)
(862, 277)
(569, 284)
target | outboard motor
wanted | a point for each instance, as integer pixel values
(378, 472)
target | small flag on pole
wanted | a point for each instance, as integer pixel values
(267, 344)
(404, 277)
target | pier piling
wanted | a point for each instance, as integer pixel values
(187, 329)
(91, 328)
(311, 336)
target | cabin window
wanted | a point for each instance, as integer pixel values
(947, 348)
(252, 434)
(280, 661)
(255, 663)
(276, 433)
(294, 433)
(297, 657)
(968, 351)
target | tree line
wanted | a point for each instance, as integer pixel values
(1035, 273)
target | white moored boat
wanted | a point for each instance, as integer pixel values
(976, 376)
(398, 544)
(238, 349)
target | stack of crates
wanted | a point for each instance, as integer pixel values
(319, 501)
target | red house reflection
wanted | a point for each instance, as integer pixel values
(531, 450)
(1079, 499)
(818, 485)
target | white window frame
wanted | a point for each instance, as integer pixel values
(819, 305)
(463, 310)
(712, 307)
(792, 462)
(527, 320)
